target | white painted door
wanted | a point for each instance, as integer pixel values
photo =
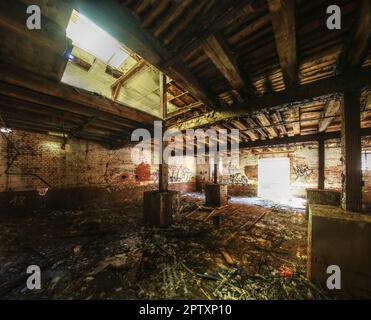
(274, 178)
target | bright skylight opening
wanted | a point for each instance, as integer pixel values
(89, 37)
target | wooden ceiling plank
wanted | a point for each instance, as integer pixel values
(283, 20)
(13, 15)
(175, 13)
(225, 61)
(358, 45)
(116, 86)
(330, 111)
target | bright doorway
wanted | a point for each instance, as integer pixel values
(274, 179)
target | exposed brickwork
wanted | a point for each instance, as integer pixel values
(80, 164)
(303, 170)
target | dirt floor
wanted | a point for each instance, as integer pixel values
(240, 251)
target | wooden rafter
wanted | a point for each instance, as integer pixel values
(283, 20)
(176, 11)
(13, 15)
(299, 139)
(340, 83)
(358, 44)
(115, 88)
(264, 120)
(277, 118)
(223, 58)
(128, 30)
(17, 83)
(332, 107)
(242, 8)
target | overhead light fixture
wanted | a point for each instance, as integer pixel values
(88, 36)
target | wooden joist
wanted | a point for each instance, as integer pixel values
(18, 83)
(13, 15)
(299, 139)
(359, 78)
(223, 58)
(358, 44)
(264, 120)
(234, 11)
(160, 7)
(116, 86)
(277, 118)
(128, 30)
(283, 20)
(175, 13)
(187, 80)
(332, 107)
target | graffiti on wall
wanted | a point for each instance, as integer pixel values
(231, 175)
(176, 174)
(236, 178)
(301, 171)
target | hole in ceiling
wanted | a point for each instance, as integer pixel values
(88, 36)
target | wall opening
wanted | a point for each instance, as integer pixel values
(274, 179)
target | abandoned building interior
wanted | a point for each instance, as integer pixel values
(99, 226)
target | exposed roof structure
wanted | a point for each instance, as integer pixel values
(267, 67)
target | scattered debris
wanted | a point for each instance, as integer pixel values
(106, 252)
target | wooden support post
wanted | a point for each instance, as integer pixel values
(163, 168)
(216, 172)
(351, 152)
(321, 164)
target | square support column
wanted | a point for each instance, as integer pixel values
(216, 194)
(351, 152)
(321, 164)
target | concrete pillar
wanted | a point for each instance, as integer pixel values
(351, 152)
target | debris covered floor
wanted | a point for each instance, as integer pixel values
(238, 251)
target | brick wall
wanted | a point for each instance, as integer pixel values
(303, 169)
(80, 165)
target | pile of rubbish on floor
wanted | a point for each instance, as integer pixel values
(236, 251)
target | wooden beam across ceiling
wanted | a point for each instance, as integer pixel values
(18, 82)
(13, 15)
(299, 93)
(332, 107)
(358, 45)
(116, 86)
(365, 132)
(235, 11)
(218, 51)
(127, 29)
(283, 20)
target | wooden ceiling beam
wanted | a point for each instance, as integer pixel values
(299, 93)
(176, 11)
(116, 86)
(264, 120)
(13, 15)
(299, 139)
(218, 51)
(358, 45)
(332, 107)
(127, 29)
(235, 11)
(283, 20)
(45, 89)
